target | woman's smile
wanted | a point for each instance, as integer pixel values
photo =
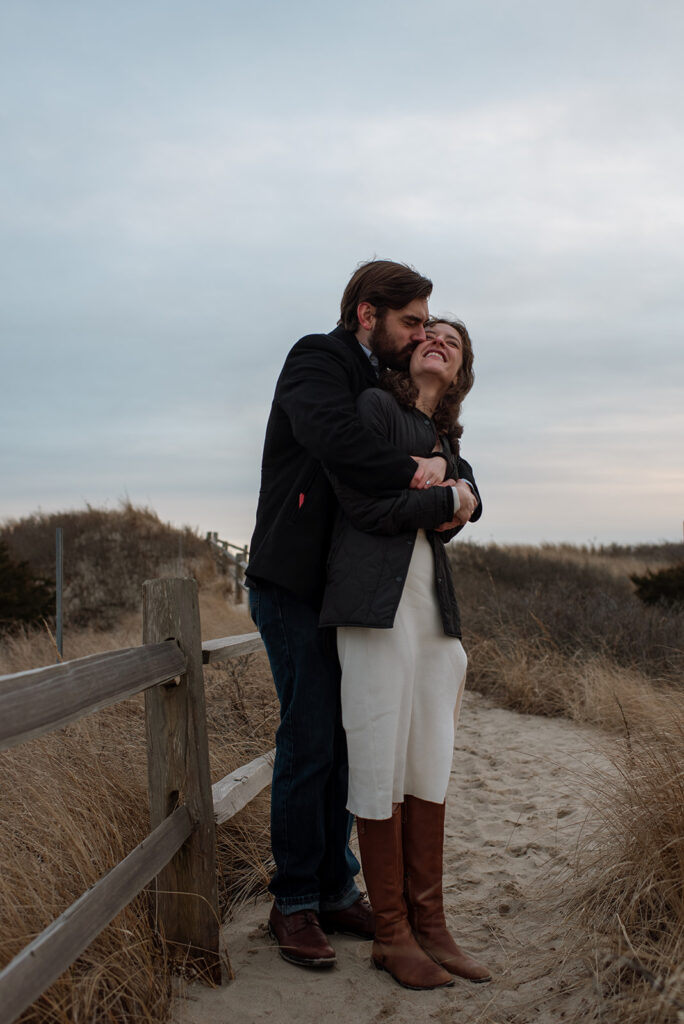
(441, 350)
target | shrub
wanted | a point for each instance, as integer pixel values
(23, 598)
(667, 585)
(567, 602)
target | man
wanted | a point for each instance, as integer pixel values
(313, 426)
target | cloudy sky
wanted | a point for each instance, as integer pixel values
(186, 187)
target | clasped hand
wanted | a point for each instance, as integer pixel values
(430, 473)
(468, 504)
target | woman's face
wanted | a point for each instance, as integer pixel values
(440, 354)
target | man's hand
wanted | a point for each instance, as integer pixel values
(430, 472)
(465, 509)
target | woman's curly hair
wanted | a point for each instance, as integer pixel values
(446, 415)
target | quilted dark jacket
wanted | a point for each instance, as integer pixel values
(373, 539)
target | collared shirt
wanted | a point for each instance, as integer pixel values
(373, 358)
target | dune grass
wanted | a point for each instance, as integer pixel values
(108, 553)
(551, 630)
(558, 631)
(628, 890)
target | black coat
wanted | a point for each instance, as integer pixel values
(373, 539)
(314, 424)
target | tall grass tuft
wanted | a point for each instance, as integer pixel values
(71, 805)
(629, 888)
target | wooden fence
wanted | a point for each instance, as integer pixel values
(236, 562)
(180, 850)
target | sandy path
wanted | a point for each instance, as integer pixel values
(514, 812)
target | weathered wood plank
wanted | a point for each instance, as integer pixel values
(234, 791)
(186, 902)
(240, 566)
(43, 699)
(36, 967)
(230, 647)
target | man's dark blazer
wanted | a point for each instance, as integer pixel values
(314, 424)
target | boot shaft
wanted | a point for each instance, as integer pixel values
(423, 853)
(380, 844)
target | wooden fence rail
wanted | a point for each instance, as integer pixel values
(180, 851)
(33, 703)
(237, 561)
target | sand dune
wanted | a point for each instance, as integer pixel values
(516, 806)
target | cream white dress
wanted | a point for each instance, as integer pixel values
(401, 695)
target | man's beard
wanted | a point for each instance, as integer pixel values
(384, 347)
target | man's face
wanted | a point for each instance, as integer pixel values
(393, 338)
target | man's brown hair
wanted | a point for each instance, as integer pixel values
(386, 285)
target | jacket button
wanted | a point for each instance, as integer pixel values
(398, 579)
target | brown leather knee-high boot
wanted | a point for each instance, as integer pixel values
(423, 844)
(394, 949)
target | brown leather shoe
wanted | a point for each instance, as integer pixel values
(301, 939)
(423, 844)
(358, 919)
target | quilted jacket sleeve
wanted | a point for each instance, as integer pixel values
(463, 471)
(314, 393)
(410, 509)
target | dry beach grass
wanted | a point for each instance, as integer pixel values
(74, 803)
(551, 631)
(629, 888)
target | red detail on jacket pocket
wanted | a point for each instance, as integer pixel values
(301, 499)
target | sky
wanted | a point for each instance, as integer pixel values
(185, 190)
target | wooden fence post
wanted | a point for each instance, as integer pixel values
(186, 897)
(241, 556)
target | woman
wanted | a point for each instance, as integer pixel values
(390, 594)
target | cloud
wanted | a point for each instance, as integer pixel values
(177, 214)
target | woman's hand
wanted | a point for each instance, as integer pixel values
(468, 500)
(468, 504)
(430, 472)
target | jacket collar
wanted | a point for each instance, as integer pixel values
(352, 343)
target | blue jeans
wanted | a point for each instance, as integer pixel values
(309, 820)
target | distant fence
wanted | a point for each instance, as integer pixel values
(180, 850)
(237, 561)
